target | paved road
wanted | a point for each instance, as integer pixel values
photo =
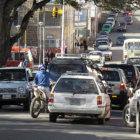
(15, 124)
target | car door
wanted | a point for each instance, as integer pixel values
(105, 96)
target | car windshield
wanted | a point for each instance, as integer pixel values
(103, 49)
(111, 75)
(121, 37)
(102, 43)
(128, 18)
(134, 61)
(106, 26)
(75, 85)
(12, 75)
(58, 69)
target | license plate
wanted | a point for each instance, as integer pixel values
(74, 102)
(114, 96)
(6, 96)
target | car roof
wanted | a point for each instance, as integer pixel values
(13, 68)
(68, 61)
(70, 74)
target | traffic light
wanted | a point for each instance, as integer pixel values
(54, 12)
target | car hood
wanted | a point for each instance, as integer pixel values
(12, 84)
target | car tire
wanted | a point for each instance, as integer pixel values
(101, 121)
(107, 118)
(53, 117)
(126, 117)
(138, 121)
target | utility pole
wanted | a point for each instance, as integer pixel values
(44, 36)
(63, 26)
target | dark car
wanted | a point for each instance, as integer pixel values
(122, 27)
(131, 72)
(120, 40)
(117, 80)
(61, 65)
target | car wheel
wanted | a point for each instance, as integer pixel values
(101, 121)
(107, 118)
(53, 117)
(126, 117)
(138, 121)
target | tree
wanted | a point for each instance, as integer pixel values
(8, 10)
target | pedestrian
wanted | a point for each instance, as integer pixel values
(77, 46)
(52, 55)
(25, 63)
(85, 45)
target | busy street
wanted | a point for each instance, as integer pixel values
(81, 89)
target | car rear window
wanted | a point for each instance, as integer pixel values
(59, 69)
(12, 75)
(74, 85)
(111, 75)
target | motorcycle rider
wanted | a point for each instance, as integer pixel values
(42, 79)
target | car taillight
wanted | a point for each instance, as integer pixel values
(122, 86)
(99, 100)
(51, 99)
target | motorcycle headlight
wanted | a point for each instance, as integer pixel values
(20, 89)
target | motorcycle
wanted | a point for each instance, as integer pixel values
(39, 102)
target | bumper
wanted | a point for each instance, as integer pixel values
(13, 99)
(118, 98)
(100, 111)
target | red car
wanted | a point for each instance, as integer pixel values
(127, 13)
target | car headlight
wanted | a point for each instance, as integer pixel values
(20, 89)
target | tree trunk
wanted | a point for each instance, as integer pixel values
(5, 47)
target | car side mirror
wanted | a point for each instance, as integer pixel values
(31, 78)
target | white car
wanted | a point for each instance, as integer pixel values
(79, 94)
(106, 51)
(131, 112)
(111, 19)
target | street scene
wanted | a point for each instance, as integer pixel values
(72, 74)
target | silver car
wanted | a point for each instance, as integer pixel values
(106, 51)
(115, 77)
(80, 94)
(15, 86)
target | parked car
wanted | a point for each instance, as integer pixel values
(129, 19)
(103, 33)
(117, 79)
(15, 86)
(79, 94)
(106, 51)
(122, 27)
(107, 28)
(120, 40)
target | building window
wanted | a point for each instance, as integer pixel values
(52, 43)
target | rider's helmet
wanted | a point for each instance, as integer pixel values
(41, 67)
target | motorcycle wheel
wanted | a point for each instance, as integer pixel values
(35, 107)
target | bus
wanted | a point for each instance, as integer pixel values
(18, 54)
(131, 47)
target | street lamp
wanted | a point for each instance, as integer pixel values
(40, 23)
(18, 43)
